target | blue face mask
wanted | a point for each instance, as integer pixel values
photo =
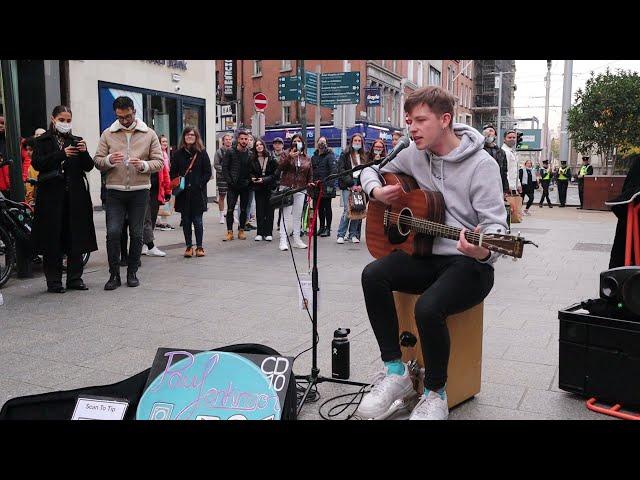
(299, 145)
(356, 147)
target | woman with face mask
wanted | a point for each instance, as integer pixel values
(63, 221)
(296, 173)
(529, 182)
(324, 164)
(352, 156)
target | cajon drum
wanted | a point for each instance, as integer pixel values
(465, 357)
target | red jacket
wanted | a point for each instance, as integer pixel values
(5, 184)
(26, 163)
(164, 184)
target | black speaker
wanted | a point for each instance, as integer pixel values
(622, 286)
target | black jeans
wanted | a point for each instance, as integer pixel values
(562, 191)
(232, 199)
(449, 284)
(133, 204)
(581, 192)
(528, 191)
(189, 218)
(52, 266)
(325, 213)
(545, 192)
(264, 213)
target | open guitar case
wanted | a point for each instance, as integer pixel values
(60, 405)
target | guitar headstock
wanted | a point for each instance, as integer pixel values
(512, 245)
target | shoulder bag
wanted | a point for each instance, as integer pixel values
(178, 183)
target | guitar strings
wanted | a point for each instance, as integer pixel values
(433, 226)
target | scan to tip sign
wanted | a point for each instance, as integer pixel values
(195, 385)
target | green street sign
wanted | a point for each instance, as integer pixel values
(531, 139)
(311, 87)
(340, 88)
(289, 88)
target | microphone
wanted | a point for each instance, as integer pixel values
(403, 143)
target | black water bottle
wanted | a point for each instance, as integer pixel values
(340, 354)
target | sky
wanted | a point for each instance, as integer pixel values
(530, 92)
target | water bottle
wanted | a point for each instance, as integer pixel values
(340, 354)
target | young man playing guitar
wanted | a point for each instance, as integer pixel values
(457, 275)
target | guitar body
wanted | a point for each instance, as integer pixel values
(385, 235)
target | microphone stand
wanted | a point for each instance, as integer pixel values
(313, 190)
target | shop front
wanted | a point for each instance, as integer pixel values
(169, 96)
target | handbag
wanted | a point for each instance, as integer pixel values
(178, 184)
(47, 177)
(357, 205)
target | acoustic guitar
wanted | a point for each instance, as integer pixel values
(413, 221)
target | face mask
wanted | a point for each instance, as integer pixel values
(299, 145)
(356, 147)
(511, 143)
(489, 139)
(63, 128)
(377, 151)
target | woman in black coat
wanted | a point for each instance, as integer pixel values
(263, 170)
(63, 221)
(192, 201)
(324, 164)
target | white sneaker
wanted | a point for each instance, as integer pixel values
(431, 407)
(298, 243)
(387, 389)
(222, 218)
(340, 240)
(354, 240)
(156, 252)
(268, 238)
(258, 238)
(284, 246)
(145, 250)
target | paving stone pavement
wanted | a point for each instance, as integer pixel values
(246, 291)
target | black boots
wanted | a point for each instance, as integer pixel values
(77, 285)
(132, 280)
(113, 282)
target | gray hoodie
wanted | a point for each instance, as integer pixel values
(468, 178)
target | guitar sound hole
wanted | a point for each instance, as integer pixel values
(397, 233)
(404, 228)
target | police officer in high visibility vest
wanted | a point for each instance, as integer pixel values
(564, 174)
(585, 169)
(545, 175)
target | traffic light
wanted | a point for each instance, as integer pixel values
(518, 140)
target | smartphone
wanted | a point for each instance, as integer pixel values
(75, 140)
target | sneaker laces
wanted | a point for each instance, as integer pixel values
(380, 386)
(424, 407)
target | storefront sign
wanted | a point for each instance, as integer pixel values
(230, 79)
(179, 64)
(372, 95)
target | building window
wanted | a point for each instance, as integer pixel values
(285, 65)
(286, 114)
(434, 76)
(257, 68)
(451, 73)
(420, 74)
(410, 70)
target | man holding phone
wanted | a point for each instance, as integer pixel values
(129, 151)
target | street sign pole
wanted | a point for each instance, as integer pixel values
(346, 66)
(303, 103)
(316, 135)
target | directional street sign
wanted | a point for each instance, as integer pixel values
(289, 88)
(339, 88)
(311, 87)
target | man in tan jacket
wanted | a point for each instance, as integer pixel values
(129, 151)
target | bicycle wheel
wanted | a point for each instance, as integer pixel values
(7, 256)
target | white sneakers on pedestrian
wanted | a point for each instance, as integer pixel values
(155, 252)
(222, 217)
(386, 390)
(355, 240)
(283, 245)
(298, 243)
(258, 238)
(268, 238)
(340, 240)
(431, 407)
(145, 250)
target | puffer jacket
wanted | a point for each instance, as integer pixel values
(324, 164)
(143, 144)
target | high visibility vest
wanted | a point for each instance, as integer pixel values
(562, 173)
(547, 175)
(584, 169)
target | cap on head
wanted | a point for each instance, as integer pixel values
(585, 157)
(545, 161)
(278, 139)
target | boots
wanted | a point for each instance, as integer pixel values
(113, 282)
(241, 235)
(132, 280)
(229, 236)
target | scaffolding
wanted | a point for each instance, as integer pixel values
(485, 109)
